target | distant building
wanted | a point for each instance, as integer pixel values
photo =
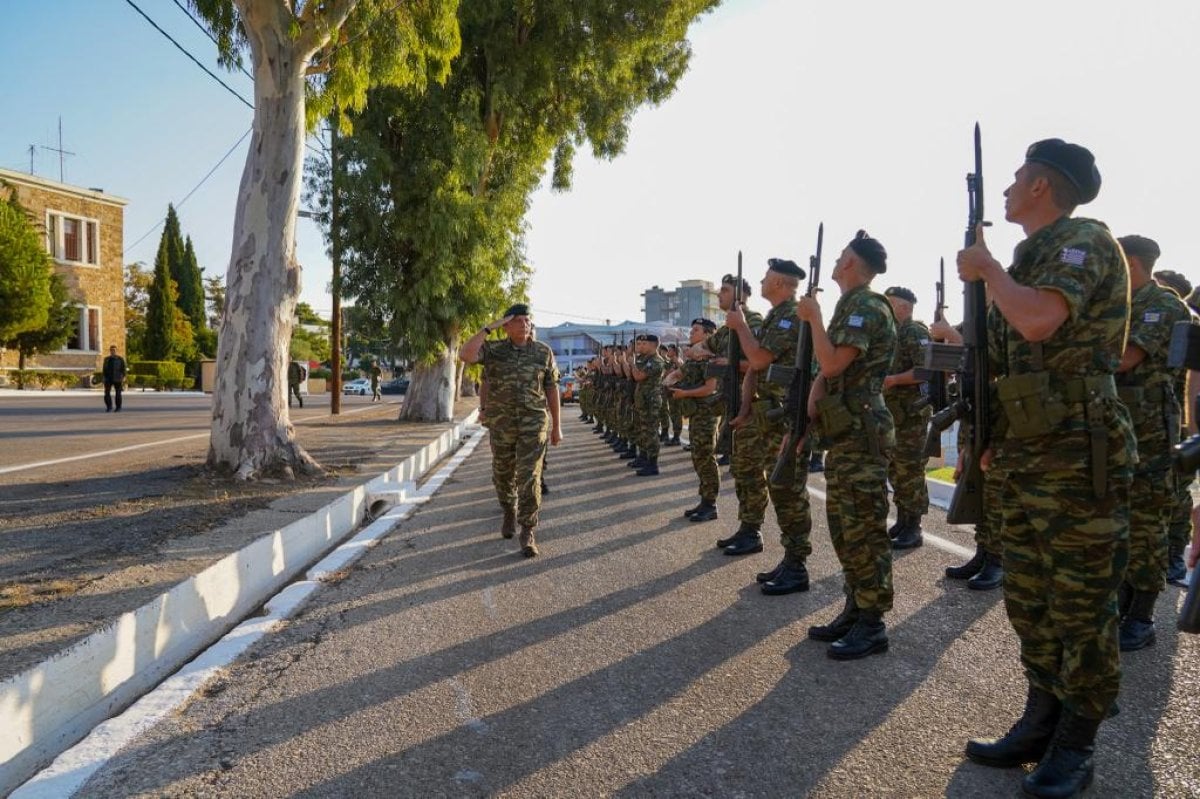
(575, 344)
(693, 298)
(83, 230)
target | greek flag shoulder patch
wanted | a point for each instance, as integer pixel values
(1073, 256)
(1152, 316)
(785, 324)
(855, 321)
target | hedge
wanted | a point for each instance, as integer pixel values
(165, 371)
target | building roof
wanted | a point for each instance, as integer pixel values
(96, 195)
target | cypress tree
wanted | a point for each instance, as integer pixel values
(191, 288)
(160, 309)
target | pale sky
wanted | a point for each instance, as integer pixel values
(793, 113)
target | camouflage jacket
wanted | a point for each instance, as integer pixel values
(779, 336)
(863, 319)
(1148, 390)
(518, 378)
(718, 342)
(1080, 260)
(653, 366)
(911, 338)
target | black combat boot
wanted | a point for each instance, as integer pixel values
(630, 453)
(1137, 628)
(690, 512)
(990, 576)
(599, 428)
(745, 543)
(723, 460)
(817, 464)
(792, 578)
(837, 628)
(1067, 768)
(675, 442)
(1176, 568)
(637, 462)
(706, 513)
(909, 536)
(1124, 599)
(868, 636)
(767, 576)
(1028, 739)
(687, 447)
(970, 568)
(649, 468)
(663, 436)
(508, 527)
(895, 529)
(545, 488)
(744, 529)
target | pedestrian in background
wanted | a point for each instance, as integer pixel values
(295, 376)
(114, 379)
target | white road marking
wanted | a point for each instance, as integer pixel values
(161, 442)
(464, 710)
(489, 602)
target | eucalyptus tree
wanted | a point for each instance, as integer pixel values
(310, 59)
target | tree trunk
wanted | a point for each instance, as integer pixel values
(251, 432)
(430, 395)
(466, 386)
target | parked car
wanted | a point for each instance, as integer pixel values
(397, 385)
(568, 389)
(361, 387)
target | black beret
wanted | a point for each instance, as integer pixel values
(518, 309)
(651, 337)
(1077, 164)
(871, 251)
(902, 293)
(1140, 246)
(731, 280)
(785, 267)
(707, 324)
(1174, 281)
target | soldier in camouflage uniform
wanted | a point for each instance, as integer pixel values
(901, 391)
(647, 375)
(1065, 443)
(1147, 388)
(1179, 527)
(698, 397)
(673, 412)
(853, 420)
(523, 413)
(759, 435)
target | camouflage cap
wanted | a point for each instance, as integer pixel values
(1076, 163)
(901, 293)
(871, 251)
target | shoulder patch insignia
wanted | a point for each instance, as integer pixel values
(1152, 316)
(855, 321)
(785, 324)
(1073, 256)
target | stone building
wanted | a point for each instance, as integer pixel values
(84, 233)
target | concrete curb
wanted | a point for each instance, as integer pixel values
(49, 707)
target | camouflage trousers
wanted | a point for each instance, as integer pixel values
(647, 407)
(987, 532)
(856, 507)
(755, 449)
(906, 465)
(518, 452)
(1151, 501)
(673, 415)
(702, 430)
(1065, 553)
(1179, 525)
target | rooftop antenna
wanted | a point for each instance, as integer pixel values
(32, 150)
(61, 152)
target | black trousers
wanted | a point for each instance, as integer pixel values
(108, 400)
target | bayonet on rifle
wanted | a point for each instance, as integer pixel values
(732, 385)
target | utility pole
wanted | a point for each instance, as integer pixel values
(335, 285)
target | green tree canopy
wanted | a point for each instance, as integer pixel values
(159, 343)
(61, 319)
(191, 287)
(138, 280)
(25, 272)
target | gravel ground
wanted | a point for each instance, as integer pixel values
(631, 659)
(84, 547)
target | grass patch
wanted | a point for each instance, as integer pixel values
(19, 595)
(945, 474)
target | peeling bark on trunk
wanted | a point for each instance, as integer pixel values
(251, 431)
(430, 395)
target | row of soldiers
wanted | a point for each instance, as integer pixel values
(1083, 511)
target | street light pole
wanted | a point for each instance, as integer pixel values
(335, 285)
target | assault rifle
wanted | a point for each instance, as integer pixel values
(935, 380)
(798, 379)
(970, 361)
(730, 374)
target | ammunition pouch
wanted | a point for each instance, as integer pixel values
(1144, 401)
(853, 412)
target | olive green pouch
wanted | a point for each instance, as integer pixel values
(836, 418)
(1030, 408)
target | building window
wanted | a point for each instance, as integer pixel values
(73, 239)
(85, 333)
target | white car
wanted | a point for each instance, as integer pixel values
(361, 387)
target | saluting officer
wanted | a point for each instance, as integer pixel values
(901, 391)
(1066, 446)
(852, 417)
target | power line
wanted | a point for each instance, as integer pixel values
(207, 33)
(189, 55)
(190, 193)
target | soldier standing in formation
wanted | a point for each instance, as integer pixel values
(901, 391)
(847, 402)
(758, 434)
(1066, 445)
(1147, 387)
(698, 397)
(647, 374)
(523, 414)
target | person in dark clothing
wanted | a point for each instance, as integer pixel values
(114, 379)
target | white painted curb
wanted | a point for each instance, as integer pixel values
(49, 707)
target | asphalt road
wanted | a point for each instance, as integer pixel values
(631, 659)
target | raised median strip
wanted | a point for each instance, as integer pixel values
(46, 709)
